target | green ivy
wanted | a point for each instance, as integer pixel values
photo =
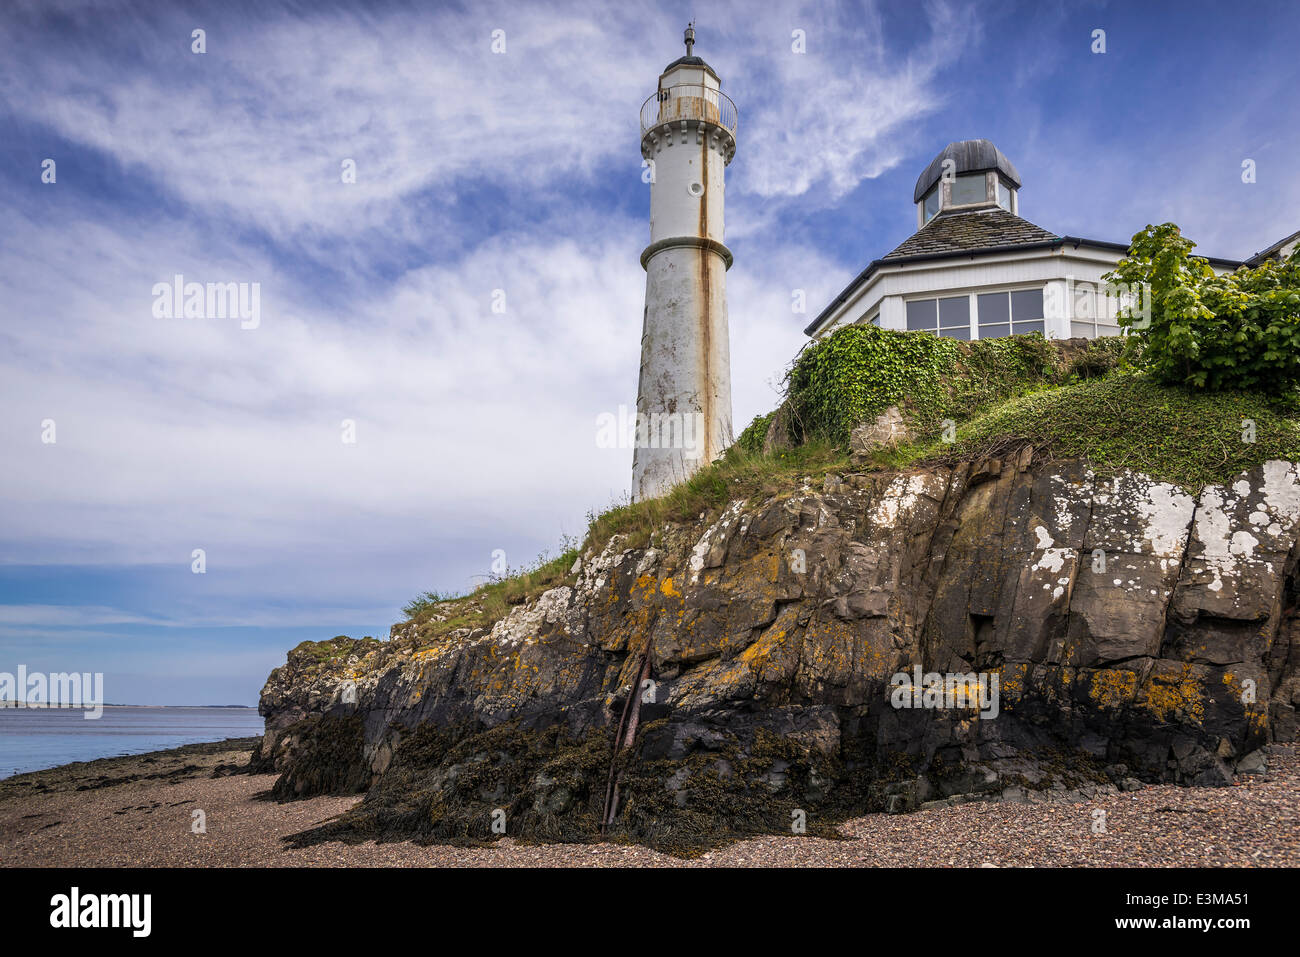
(751, 440)
(857, 372)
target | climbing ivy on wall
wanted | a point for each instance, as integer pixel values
(857, 372)
(751, 439)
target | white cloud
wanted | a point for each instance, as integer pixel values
(257, 128)
(72, 615)
(473, 428)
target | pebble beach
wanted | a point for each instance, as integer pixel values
(138, 811)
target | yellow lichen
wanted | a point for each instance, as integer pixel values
(1172, 694)
(1112, 687)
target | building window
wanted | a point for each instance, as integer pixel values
(1004, 196)
(945, 317)
(969, 188)
(1010, 313)
(1095, 310)
(874, 320)
(931, 203)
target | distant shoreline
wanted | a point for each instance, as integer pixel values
(116, 769)
(47, 737)
(44, 705)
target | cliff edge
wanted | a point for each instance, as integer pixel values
(1110, 630)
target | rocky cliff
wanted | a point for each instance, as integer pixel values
(737, 675)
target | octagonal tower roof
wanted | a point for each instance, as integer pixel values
(969, 156)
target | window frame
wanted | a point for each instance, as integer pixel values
(1011, 321)
(1095, 320)
(938, 328)
(973, 311)
(926, 215)
(984, 191)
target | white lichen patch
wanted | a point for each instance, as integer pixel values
(1213, 526)
(1066, 493)
(1053, 558)
(1149, 516)
(523, 623)
(900, 498)
(1273, 518)
(1213, 529)
(1281, 490)
(711, 536)
(1166, 515)
(1243, 544)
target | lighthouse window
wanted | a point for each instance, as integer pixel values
(931, 203)
(968, 188)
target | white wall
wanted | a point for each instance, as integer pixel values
(1076, 300)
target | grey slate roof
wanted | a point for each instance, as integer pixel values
(968, 156)
(957, 231)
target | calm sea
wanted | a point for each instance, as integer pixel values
(35, 738)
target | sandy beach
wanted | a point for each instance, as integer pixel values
(138, 811)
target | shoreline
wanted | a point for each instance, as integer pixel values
(139, 810)
(121, 768)
(45, 738)
(44, 705)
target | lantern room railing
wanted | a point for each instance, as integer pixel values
(689, 102)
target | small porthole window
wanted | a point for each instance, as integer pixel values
(695, 189)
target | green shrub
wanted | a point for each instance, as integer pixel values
(1239, 331)
(423, 602)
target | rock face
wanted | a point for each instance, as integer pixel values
(1120, 629)
(888, 428)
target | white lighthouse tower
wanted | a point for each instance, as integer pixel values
(688, 135)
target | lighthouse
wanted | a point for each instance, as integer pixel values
(688, 136)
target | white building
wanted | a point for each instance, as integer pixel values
(974, 269)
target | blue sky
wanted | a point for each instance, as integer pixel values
(479, 171)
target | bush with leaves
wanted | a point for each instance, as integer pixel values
(1238, 331)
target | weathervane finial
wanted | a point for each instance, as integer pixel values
(690, 37)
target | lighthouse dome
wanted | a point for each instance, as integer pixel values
(967, 174)
(968, 156)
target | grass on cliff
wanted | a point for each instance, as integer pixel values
(436, 614)
(740, 473)
(1070, 399)
(1191, 439)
